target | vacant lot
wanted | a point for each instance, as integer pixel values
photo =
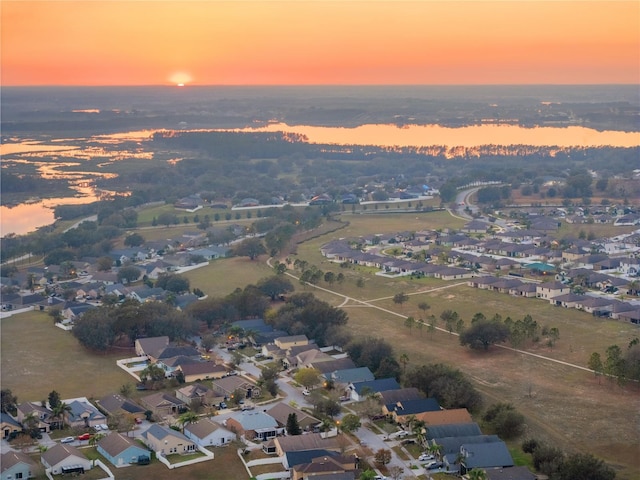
(38, 357)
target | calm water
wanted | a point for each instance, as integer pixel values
(27, 217)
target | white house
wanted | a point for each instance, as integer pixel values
(63, 458)
(207, 433)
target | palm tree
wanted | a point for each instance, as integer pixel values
(187, 418)
(477, 474)
(404, 359)
(60, 411)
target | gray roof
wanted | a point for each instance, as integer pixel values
(453, 430)
(375, 386)
(253, 420)
(160, 432)
(113, 403)
(349, 375)
(202, 428)
(484, 455)
(152, 344)
(452, 444)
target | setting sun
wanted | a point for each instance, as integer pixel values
(180, 79)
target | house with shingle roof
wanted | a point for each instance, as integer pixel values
(444, 417)
(359, 390)
(46, 420)
(228, 385)
(327, 467)
(207, 433)
(146, 346)
(452, 430)
(115, 404)
(63, 458)
(199, 371)
(83, 414)
(484, 455)
(281, 411)
(163, 404)
(8, 425)
(196, 394)
(14, 465)
(311, 441)
(349, 375)
(255, 425)
(166, 441)
(121, 451)
(402, 412)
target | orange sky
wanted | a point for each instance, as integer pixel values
(267, 42)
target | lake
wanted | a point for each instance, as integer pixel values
(25, 217)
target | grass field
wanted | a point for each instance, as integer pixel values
(38, 357)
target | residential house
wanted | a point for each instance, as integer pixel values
(325, 366)
(310, 441)
(403, 412)
(254, 425)
(329, 466)
(108, 278)
(163, 355)
(207, 433)
(399, 395)
(451, 445)
(146, 346)
(484, 455)
(121, 451)
(17, 465)
(342, 378)
(116, 404)
(83, 414)
(195, 372)
(227, 386)
(444, 417)
(144, 293)
(9, 426)
(358, 391)
(63, 458)
(73, 310)
(281, 411)
(166, 441)
(196, 395)
(46, 420)
(548, 290)
(568, 300)
(285, 343)
(163, 404)
(452, 430)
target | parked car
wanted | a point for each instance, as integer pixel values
(84, 436)
(426, 457)
(138, 420)
(306, 392)
(259, 355)
(222, 405)
(68, 440)
(435, 466)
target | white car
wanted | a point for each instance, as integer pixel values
(68, 440)
(306, 392)
(425, 457)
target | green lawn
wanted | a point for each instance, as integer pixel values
(38, 357)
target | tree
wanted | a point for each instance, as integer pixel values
(424, 306)
(400, 298)
(450, 318)
(409, 322)
(395, 472)
(54, 399)
(275, 285)
(293, 428)
(129, 274)
(250, 247)
(8, 401)
(153, 373)
(404, 360)
(104, 264)
(483, 333)
(382, 456)
(330, 277)
(505, 420)
(173, 283)
(134, 240)
(60, 411)
(187, 418)
(584, 466)
(477, 474)
(308, 377)
(350, 423)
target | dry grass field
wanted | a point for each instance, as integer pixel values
(38, 357)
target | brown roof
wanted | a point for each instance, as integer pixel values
(152, 344)
(445, 417)
(281, 411)
(201, 368)
(11, 458)
(202, 427)
(115, 443)
(59, 452)
(312, 441)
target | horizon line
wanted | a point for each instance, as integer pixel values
(196, 85)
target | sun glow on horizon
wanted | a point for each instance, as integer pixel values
(180, 79)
